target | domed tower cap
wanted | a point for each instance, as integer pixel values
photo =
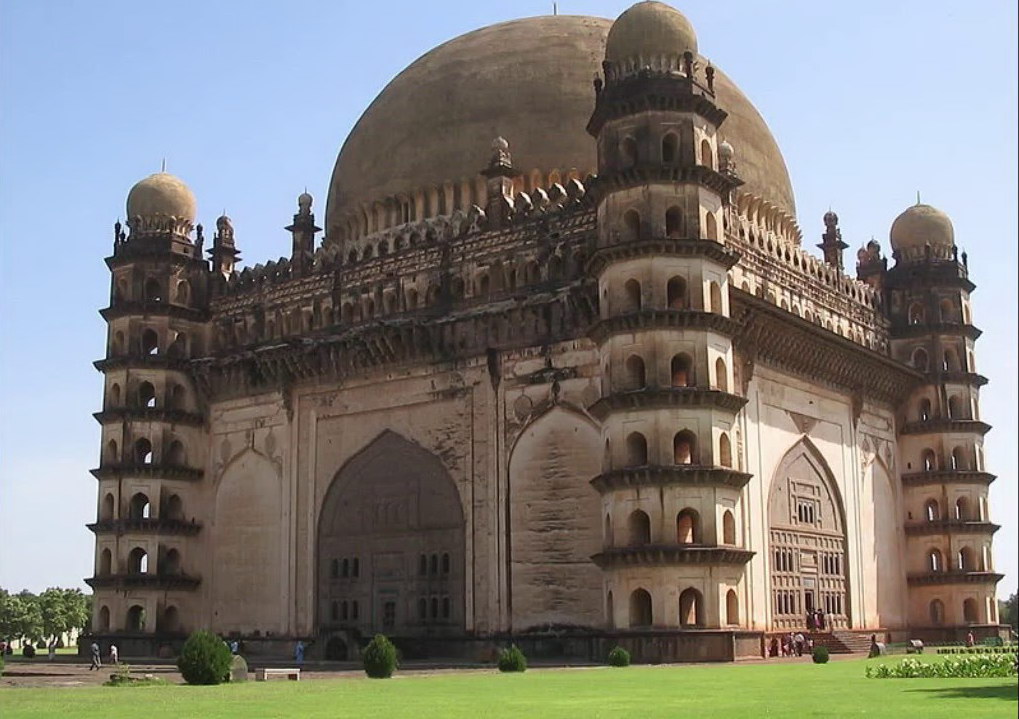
(648, 33)
(919, 226)
(161, 195)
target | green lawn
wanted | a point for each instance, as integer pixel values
(837, 689)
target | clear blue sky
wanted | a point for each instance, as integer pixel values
(249, 102)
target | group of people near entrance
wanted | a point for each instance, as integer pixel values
(792, 645)
(815, 620)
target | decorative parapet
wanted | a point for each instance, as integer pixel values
(666, 398)
(670, 475)
(951, 526)
(953, 476)
(144, 581)
(953, 577)
(671, 555)
(155, 470)
(145, 526)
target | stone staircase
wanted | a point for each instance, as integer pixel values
(841, 642)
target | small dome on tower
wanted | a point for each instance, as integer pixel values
(649, 31)
(162, 194)
(922, 225)
(725, 150)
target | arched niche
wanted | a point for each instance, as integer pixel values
(389, 505)
(555, 521)
(248, 579)
(806, 518)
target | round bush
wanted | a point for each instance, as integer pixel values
(379, 658)
(205, 659)
(820, 655)
(512, 660)
(619, 657)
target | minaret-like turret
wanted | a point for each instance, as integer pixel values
(152, 429)
(831, 241)
(671, 484)
(303, 230)
(945, 483)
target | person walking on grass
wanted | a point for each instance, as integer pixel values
(114, 654)
(299, 653)
(97, 662)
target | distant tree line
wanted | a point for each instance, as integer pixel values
(42, 617)
(1008, 612)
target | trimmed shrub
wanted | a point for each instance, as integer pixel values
(512, 660)
(820, 655)
(619, 657)
(379, 658)
(979, 666)
(205, 659)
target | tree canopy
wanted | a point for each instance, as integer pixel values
(45, 616)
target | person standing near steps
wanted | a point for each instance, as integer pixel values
(97, 662)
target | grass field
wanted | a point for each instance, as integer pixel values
(837, 689)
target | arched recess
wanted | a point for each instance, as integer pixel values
(884, 576)
(806, 516)
(391, 503)
(249, 543)
(555, 521)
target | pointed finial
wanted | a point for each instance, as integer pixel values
(162, 165)
(918, 197)
(555, 8)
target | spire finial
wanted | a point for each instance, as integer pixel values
(918, 197)
(555, 8)
(162, 165)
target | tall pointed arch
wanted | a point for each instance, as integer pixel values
(807, 538)
(393, 513)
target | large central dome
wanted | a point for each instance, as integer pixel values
(529, 81)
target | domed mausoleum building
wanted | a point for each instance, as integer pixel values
(559, 371)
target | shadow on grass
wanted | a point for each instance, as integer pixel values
(1005, 691)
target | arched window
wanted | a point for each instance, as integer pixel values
(721, 375)
(433, 564)
(724, 450)
(153, 290)
(639, 525)
(150, 342)
(422, 608)
(106, 511)
(932, 510)
(112, 451)
(706, 159)
(636, 450)
(610, 611)
(178, 397)
(962, 508)
(935, 563)
(684, 448)
(682, 371)
(104, 619)
(956, 407)
(924, 411)
(929, 461)
(143, 451)
(635, 374)
(959, 459)
(628, 152)
(676, 293)
(640, 609)
(114, 400)
(916, 313)
(948, 311)
(445, 564)
(965, 558)
(484, 286)
(673, 222)
(951, 362)
(171, 619)
(728, 528)
(631, 225)
(146, 395)
(136, 619)
(688, 527)
(937, 612)
(183, 293)
(608, 531)
(633, 295)
(118, 343)
(412, 299)
(920, 359)
(969, 611)
(710, 226)
(105, 562)
(715, 296)
(171, 563)
(140, 507)
(731, 608)
(691, 608)
(175, 455)
(670, 148)
(138, 561)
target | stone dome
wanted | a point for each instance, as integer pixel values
(922, 225)
(649, 30)
(529, 81)
(161, 194)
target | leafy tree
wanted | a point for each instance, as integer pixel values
(62, 610)
(20, 616)
(1008, 612)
